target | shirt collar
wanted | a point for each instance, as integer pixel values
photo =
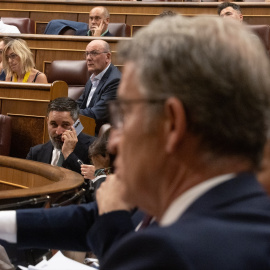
(181, 203)
(100, 75)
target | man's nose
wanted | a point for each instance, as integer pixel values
(114, 140)
(59, 130)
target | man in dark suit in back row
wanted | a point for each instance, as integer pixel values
(99, 18)
(65, 147)
(102, 85)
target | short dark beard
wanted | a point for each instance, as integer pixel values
(56, 142)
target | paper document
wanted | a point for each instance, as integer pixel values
(59, 262)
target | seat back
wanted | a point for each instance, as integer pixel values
(263, 32)
(25, 25)
(5, 134)
(73, 72)
(119, 29)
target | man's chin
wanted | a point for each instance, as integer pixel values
(57, 144)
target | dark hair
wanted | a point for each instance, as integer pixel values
(228, 4)
(6, 40)
(64, 104)
(99, 146)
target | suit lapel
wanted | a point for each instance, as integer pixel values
(99, 87)
(87, 90)
(46, 153)
(242, 186)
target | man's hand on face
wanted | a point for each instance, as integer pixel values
(69, 137)
(110, 196)
(97, 30)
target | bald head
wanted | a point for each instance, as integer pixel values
(99, 18)
(98, 56)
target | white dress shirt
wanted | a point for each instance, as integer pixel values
(6, 28)
(95, 81)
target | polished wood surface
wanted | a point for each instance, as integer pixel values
(22, 179)
(130, 12)
(27, 104)
(47, 48)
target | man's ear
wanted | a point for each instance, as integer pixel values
(176, 125)
(241, 17)
(106, 21)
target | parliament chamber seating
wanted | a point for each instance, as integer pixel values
(5, 134)
(25, 25)
(119, 29)
(263, 32)
(73, 72)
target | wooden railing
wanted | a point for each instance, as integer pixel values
(47, 48)
(27, 104)
(130, 12)
(24, 181)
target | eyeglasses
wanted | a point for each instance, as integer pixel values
(93, 54)
(96, 18)
(12, 56)
(117, 109)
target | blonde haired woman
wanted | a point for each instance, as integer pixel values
(19, 65)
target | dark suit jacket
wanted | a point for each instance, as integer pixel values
(43, 153)
(66, 227)
(106, 90)
(226, 228)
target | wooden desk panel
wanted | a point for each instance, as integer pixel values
(24, 179)
(47, 48)
(27, 104)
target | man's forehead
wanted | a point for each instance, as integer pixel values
(97, 12)
(228, 9)
(63, 115)
(94, 46)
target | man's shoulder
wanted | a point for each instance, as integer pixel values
(112, 73)
(86, 139)
(42, 146)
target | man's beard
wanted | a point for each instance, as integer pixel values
(57, 141)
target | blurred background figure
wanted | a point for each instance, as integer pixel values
(19, 65)
(230, 10)
(103, 162)
(3, 42)
(6, 28)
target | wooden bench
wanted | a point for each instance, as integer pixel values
(32, 183)
(26, 104)
(132, 13)
(47, 48)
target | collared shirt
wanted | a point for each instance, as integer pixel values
(95, 81)
(180, 204)
(6, 28)
(89, 33)
(55, 156)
